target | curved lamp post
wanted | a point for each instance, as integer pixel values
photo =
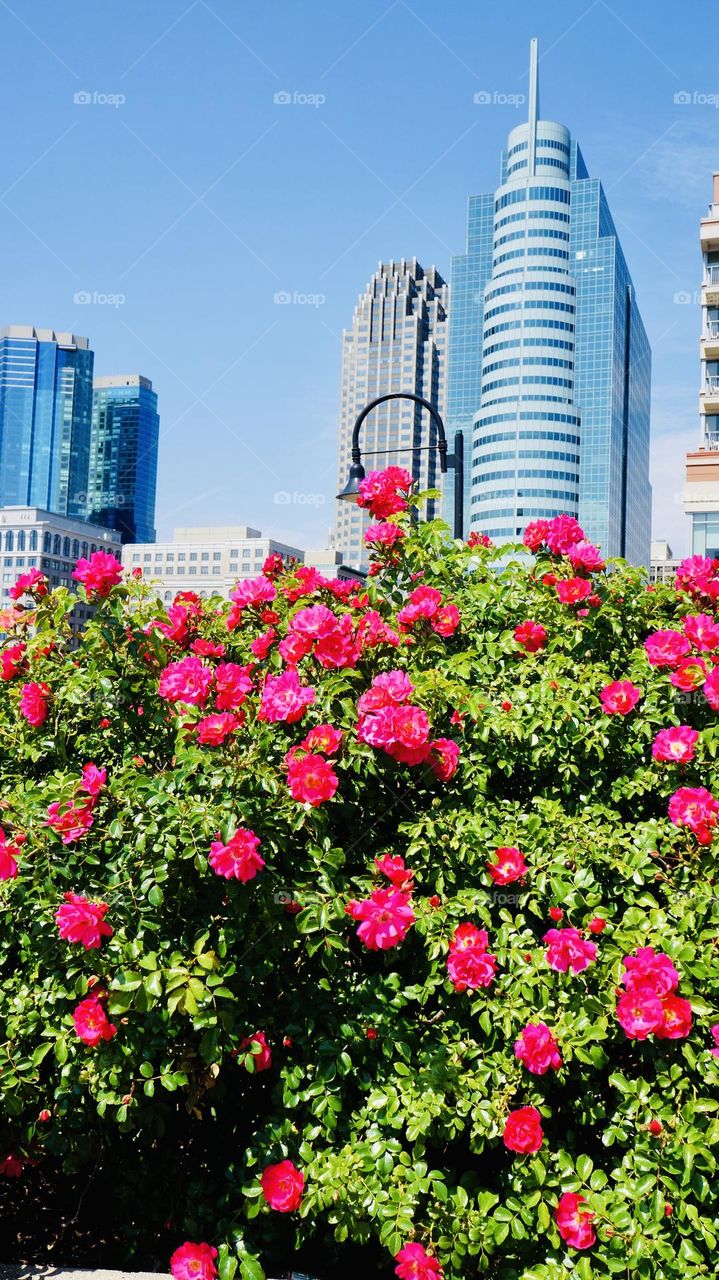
(455, 460)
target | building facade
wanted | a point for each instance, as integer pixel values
(123, 456)
(45, 419)
(549, 365)
(398, 342)
(701, 495)
(208, 561)
(663, 564)
(31, 537)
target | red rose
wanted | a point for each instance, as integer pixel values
(282, 1186)
(523, 1130)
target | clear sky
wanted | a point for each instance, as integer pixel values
(183, 197)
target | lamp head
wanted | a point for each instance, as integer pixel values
(351, 491)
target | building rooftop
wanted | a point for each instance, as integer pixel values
(60, 336)
(121, 380)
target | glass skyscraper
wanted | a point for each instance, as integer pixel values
(45, 419)
(123, 456)
(549, 365)
(398, 342)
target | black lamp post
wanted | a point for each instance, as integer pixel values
(455, 460)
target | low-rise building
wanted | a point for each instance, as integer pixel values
(32, 537)
(205, 560)
(663, 564)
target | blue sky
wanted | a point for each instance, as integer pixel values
(183, 198)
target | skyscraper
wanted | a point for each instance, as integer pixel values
(701, 496)
(549, 365)
(123, 456)
(45, 419)
(397, 342)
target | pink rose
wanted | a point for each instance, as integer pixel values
(99, 574)
(665, 648)
(256, 1061)
(574, 1223)
(675, 745)
(414, 1263)
(188, 680)
(239, 858)
(535, 534)
(384, 493)
(284, 698)
(563, 534)
(531, 636)
(469, 964)
(91, 1022)
(508, 867)
(573, 590)
(620, 697)
(703, 631)
(212, 731)
(311, 780)
(567, 950)
(81, 921)
(282, 1186)
(385, 918)
(232, 685)
(695, 808)
(537, 1049)
(33, 703)
(193, 1262)
(523, 1130)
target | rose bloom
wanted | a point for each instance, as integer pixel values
(695, 808)
(393, 867)
(509, 865)
(532, 636)
(11, 1166)
(193, 1262)
(324, 738)
(711, 689)
(703, 631)
(12, 660)
(253, 592)
(338, 650)
(619, 698)
(99, 574)
(314, 622)
(535, 534)
(261, 645)
(188, 680)
(477, 539)
(71, 821)
(91, 1022)
(212, 730)
(584, 555)
(282, 1186)
(33, 703)
(294, 648)
(93, 780)
(523, 1130)
(81, 921)
(284, 698)
(207, 648)
(689, 674)
(697, 575)
(414, 1263)
(562, 534)
(572, 590)
(9, 853)
(238, 859)
(676, 1020)
(260, 1061)
(232, 685)
(469, 964)
(665, 648)
(568, 950)
(34, 582)
(537, 1049)
(385, 918)
(574, 1223)
(715, 1034)
(640, 1012)
(597, 924)
(311, 780)
(443, 758)
(388, 688)
(675, 745)
(384, 534)
(384, 493)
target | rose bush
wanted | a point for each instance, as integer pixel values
(369, 927)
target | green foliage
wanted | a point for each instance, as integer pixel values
(399, 1136)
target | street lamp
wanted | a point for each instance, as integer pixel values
(455, 460)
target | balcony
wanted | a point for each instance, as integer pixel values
(711, 281)
(710, 338)
(711, 388)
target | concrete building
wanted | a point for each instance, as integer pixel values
(30, 536)
(205, 560)
(123, 456)
(45, 419)
(549, 365)
(397, 342)
(701, 495)
(663, 564)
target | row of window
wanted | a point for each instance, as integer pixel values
(529, 342)
(532, 251)
(52, 544)
(569, 477)
(547, 286)
(560, 194)
(557, 494)
(557, 215)
(546, 233)
(529, 323)
(528, 417)
(529, 379)
(506, 455)
(514, 362)
(546, 304)
(562, 436)
(550, 161)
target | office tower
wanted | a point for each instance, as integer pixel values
(549, 365)
(123, 456)
(701, 496)
(45, 419)
(397, 342)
